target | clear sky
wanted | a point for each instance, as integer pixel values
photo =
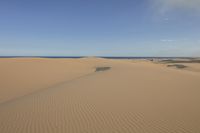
(100, 27)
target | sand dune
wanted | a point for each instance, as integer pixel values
(68, 96)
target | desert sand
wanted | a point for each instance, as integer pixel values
(39, 95)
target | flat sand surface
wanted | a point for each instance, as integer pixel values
(69, 96)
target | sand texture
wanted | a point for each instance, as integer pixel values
(71, 96)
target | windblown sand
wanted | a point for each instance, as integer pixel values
(68, 96)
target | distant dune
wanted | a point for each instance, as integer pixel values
(40, 95)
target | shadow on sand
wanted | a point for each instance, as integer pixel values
(179, 66)
(99, 69)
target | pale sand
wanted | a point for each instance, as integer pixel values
(68, 96)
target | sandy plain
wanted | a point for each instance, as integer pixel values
(42, 95)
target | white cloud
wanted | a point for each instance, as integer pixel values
(167, 5)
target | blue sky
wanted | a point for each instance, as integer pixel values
(100, 27)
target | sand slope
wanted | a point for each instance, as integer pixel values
(21, 76)
(132, 96)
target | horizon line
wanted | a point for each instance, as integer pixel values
(98, 56)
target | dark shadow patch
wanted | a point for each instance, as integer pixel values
(179, 66)
(99, 69)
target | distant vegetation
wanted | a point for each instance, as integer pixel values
(181, 61)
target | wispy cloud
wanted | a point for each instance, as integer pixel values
(167, 40)
(167, 5)
(166, 19)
